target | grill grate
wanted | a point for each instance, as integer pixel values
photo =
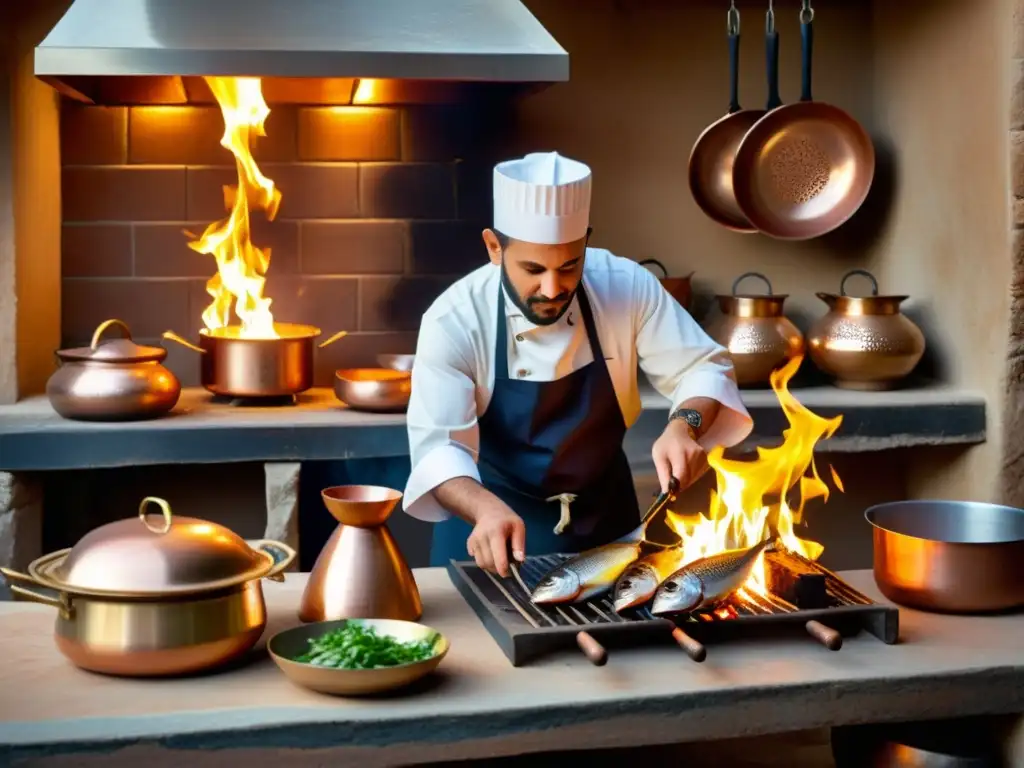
(803, 593)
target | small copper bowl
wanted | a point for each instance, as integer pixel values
(380, 390)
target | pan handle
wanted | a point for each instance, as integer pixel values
(656, 263)
(771, 45)
(733, 29)
(807, 50)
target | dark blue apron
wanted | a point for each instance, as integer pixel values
(539, 439)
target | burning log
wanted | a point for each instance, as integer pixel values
(795, 580)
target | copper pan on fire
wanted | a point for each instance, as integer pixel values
(234, 365)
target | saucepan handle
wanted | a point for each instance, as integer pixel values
(807, 50)
(655, 263)
(771, 47)
(733, 30)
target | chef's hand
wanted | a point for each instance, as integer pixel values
(495, 527)
(676, 454)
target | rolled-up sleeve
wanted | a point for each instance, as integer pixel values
(442, 419)
(683, 362)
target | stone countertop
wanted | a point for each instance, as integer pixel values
(318, 427)
(477, 704)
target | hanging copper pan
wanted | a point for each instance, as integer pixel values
(712, 156)
(805, 168)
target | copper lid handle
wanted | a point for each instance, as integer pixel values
(862, 273)
(745, 275)
(101, 329)
(165, 509)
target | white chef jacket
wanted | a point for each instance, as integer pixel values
(636, 321)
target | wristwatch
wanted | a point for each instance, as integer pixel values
(691, 417)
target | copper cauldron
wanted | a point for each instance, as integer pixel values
(865, 342)
(759, 337)
(234, 365)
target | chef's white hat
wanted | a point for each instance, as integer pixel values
(542, 198)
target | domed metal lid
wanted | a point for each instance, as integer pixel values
(122, 350)
(153, 557)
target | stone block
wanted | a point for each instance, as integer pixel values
(21, 522)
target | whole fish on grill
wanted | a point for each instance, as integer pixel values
(641, 580)
(590, 573)
(705, 583)
(595, 571)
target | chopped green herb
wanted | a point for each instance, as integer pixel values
(357, 646)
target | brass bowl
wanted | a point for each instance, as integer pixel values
(290, 643)
(381, 390)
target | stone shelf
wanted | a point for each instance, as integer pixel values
(318, 427)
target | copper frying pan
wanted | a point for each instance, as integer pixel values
(805, 168)
(711, 159)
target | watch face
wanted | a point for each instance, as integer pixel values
(691, 417)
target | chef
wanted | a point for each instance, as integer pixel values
(525, 382)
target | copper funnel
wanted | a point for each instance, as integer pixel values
(361, 573)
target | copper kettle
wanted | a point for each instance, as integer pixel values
(758, 336)
(865, 342)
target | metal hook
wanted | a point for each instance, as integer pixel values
(769, 23)
(806, 13)
(733, 19)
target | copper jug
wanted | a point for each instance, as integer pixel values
(758, 336)
(865, 342)
(361, 573)
(679, 288)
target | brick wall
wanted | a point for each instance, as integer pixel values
(381, 210)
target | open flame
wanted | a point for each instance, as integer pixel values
(241, 266)
(752, 500)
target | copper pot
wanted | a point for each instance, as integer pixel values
(679, 288)
(145, 599)
(382, 390)
(865, 342)
(949, 556)
(238, 366)
(112, 380)
(759, 337)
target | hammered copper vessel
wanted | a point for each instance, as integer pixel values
(865, 342)
(759, 337)
(361, 573)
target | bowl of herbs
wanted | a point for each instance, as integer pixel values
(351, 657)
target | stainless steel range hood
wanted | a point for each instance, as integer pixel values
(149, 50)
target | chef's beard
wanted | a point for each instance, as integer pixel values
(525, 306)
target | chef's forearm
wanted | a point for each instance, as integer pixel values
(464, 497)
(708, 409)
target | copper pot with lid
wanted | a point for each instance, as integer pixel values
(143, 597)
(112, 380)
(865, 342)
(759, 337)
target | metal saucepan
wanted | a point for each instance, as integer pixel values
(381, 390)
(396, 362)
(712, 156)
(112, 380)
(679, 288)
(237, 366)
(805, 168)
(949, 556)
(146, 599)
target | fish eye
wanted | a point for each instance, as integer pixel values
(671, 587)
(627, 584)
